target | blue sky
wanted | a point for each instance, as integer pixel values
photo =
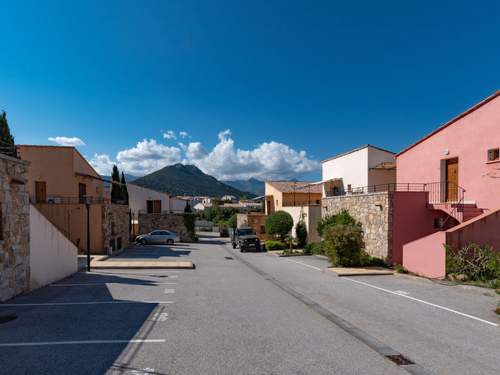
(282, 76)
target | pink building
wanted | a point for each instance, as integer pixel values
(459, 165)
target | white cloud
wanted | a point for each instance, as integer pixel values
(183, 134)
(67, 141)
(146, 157)
(269, 160)
(169, 134)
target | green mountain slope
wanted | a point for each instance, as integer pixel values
(180, 179)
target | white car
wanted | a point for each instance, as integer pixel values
(158, 237)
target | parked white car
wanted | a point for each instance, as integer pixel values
(158, 237)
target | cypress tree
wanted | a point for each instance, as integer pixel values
(115, 185)
(6, 139)
(124, 189)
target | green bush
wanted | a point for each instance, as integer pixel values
(478, 263)
(301, 234)
(189, 221)
(279, 223)
(346, 244)
(317, 248)
(400, 269)
(344, 217)
(272, 245)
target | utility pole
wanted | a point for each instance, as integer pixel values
(87, 205)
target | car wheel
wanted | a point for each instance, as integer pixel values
(170, 241)
(234, 245)
(143, 241)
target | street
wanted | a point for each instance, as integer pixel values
(252, 313)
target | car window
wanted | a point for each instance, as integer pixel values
(165, 232)
(244, 232)
(155, 233)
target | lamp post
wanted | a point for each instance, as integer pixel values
(87, 205)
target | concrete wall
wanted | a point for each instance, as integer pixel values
(426, 256)
(374, 212)
(138, 197)
(52, 255)
(469, 139)
(483, 230)
(256, 221)
(14, 228)
(311, 215)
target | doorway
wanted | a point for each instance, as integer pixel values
(451, 170)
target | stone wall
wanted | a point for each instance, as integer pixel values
(171, 222)
(374, 212)
(14, 228)
(116, 226)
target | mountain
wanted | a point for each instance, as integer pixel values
(252, 185)
(180, 179)
(128, 177)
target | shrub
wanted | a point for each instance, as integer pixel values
(317, 248)
(344, 217)
(400, 269)
(272, 245)
(301, 233)
(279, 224)
(476, 262)
(189, 221)
(346, 244)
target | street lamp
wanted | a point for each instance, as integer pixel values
(87, 205)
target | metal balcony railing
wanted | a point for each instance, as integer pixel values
(68, 200)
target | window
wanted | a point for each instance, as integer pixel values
(154, 206)
(493, 154)
(349, 188)
(82, 192)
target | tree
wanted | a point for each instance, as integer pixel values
(301, 233)
(279, 223)
(5, 137)
(232, 222)
(116, 193)
(123, 189)
(187, 209)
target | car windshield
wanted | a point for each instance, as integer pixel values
(245, 232)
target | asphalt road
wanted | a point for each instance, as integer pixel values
(232, 316)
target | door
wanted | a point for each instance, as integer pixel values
(40, 191)
(452, 180)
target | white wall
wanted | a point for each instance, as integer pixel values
(352, 168)
(138, 197)
(312, 214)
(52, 255)
(178, 205)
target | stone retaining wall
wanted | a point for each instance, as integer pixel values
(14, 228)
(171, 222)
(374, 212)
(116, 226)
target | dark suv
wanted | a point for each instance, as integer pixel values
(246, 240)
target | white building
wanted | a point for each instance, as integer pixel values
(146, 200)
(363, 169)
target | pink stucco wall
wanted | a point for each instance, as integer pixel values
(426, 256)
(482, 230)
(469, 139)
(412, 219)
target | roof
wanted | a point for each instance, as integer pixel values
(296, 186)
(358, 149)
(453, 120)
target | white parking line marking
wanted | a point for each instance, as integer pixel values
(169, 291)
(421, 301)
(82, 342)
(82, 303)
(401, 293)
(160, 317)
(174, 276)
(97, 284)
(304, 264)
